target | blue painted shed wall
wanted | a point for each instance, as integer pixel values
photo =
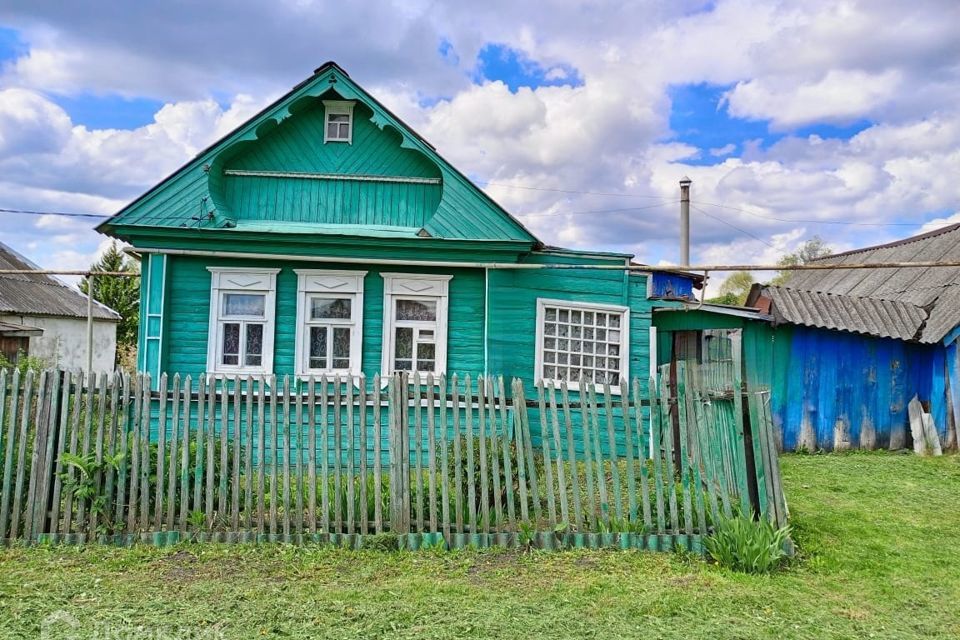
(833, 376)
(672, 286)
(824, 376)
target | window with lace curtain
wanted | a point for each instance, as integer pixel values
(415, 323)
(240, 333)
(329, 321)
(338, 121)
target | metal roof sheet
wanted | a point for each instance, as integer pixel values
(36, 294)
(881, 302)
(870, 316)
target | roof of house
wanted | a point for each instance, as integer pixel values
(187, 197)
(37, 294)
(920, 304)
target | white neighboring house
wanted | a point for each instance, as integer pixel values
(43, 317)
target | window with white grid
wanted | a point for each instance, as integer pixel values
(577, 341)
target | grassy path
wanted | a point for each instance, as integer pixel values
(880, 535)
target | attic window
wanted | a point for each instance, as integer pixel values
(338, 121)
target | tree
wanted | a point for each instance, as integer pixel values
(734, 289)
(810, 250)
(122, 294)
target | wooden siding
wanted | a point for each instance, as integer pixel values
(188, 308)
(512, 324)
(297, 146)
(513, 304)
(186, 197)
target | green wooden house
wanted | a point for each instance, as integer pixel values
(324, 236)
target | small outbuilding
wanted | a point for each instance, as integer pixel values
(843, 351)
(42, 317)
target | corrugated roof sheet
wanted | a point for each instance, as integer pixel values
(35, 294)
(871, 316)
(883, 302)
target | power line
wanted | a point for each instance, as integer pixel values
(802, 221)
(579, 213)
(55, 213)
(551, 213)
(755, 237)
(571, 191)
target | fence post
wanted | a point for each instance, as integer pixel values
(399, 452)
(37, 495)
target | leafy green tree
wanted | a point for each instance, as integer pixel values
(122, 294)
(734, 289)
(812, 249)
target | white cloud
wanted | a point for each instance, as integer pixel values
(789, 63)
(725, 150)
(840, 96)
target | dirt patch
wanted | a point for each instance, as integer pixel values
(683, 581)
(492, 563)
(178, 567)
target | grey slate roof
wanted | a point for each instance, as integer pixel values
(41, 295)
(908, 303)
(882, 318)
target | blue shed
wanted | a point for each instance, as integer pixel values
(851, 347)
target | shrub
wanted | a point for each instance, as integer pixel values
(743, 544)
(24, 363)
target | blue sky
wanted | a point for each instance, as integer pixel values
(794, 116)
(699, 117)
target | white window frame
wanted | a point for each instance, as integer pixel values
(337, 108)
(413, 286)
(327, 283)
(624, 312)
(240, 280)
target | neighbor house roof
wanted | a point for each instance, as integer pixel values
(37, 294)
(907, 303)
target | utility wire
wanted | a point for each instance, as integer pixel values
(667, 201)
(719, 219)
(550, 213)
(801, 221)
(56, 213)
(572, 191)
(580, 213)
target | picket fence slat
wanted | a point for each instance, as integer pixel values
(236, 458)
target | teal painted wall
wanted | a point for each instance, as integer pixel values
(285, 136)
(188, 309)
(296, 145)
(513, 309)
(511, 330)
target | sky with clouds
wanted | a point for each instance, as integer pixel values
(794, 119)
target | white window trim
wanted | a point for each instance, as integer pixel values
(543, 303)
(329, 283)
(337, 107)
(415, 286)
(241, 280)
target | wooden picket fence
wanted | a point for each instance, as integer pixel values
(358, 462)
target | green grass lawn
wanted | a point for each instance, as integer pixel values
(879, 536)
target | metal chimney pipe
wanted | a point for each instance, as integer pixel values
(685, 183)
